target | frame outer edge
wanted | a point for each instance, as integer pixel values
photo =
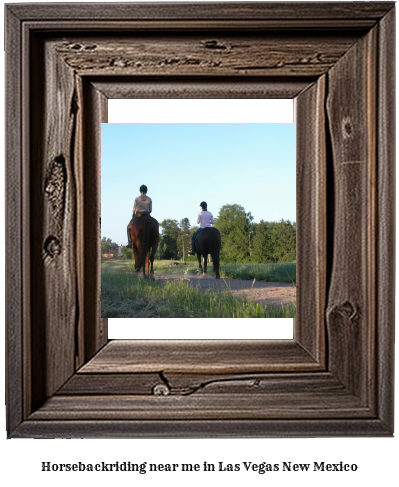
(14, 262)
(16, 268)
(303, 11)
(386, 175)
(201, 429)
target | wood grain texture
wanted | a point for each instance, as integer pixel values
(119, 428)
(63, 64)
(133, 87)
(53, 211)
(129, 384)
(15, 258)
(200, 356)
(184, 384)
(352, 128)
(385, 245)
(275, 396)
(208, 11)
(95, 331)
(310, 204)
(216, 55)
(201, 407)
(311, 178)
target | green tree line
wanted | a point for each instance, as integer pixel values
(242, 240)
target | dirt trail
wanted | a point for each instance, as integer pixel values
(265, 293)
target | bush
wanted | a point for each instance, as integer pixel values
(291, 257)
(127, 253)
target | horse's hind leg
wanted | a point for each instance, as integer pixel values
(146, 268)
(152, 264)
(199, 262)
(136, 258)
(205, 263)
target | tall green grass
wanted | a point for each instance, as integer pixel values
(124, 295)
(281, 272)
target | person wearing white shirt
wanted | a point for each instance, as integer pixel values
(205, 219)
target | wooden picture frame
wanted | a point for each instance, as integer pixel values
(335, 378)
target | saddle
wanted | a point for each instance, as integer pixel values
(138, 214)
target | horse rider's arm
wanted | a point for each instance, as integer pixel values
(212, 220)
(150, 207)
(199, 218)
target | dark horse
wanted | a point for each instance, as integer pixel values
(145, 239)
(208, 242)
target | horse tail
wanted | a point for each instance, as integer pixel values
(214, 247)
(144, 246)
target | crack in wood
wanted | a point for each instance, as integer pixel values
(74, 104)
(249, 382)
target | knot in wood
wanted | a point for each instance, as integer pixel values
(213, 44)
(90, 47)
(349, 310)
(161, 390)
(52, 246)
(347, 128)
(346, 310)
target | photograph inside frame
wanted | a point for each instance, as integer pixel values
(232, 253)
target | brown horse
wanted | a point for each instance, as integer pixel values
(145, 239)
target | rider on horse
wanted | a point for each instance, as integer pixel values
(205, 218)
(142, 206)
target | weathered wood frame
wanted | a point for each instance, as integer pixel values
(64, 378)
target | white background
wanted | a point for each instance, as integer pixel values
(21, 459)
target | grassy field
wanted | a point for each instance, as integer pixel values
(284, 272)
(124, 295)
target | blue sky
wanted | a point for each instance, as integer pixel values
(182, 164)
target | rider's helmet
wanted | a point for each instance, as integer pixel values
(143, 188)
(204, 205)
